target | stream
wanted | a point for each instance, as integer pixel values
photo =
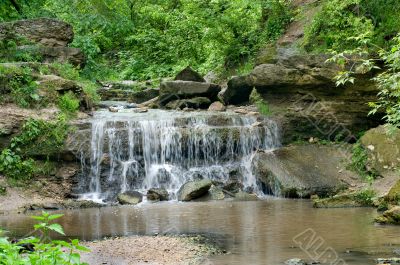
(257, 232)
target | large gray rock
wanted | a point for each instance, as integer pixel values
(45, 31)
(175, 90)
(304, 170)
(130, 197)
(134, 96)
(194, 189)
(188, 74)
(383, 148)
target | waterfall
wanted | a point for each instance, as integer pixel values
(165, 149)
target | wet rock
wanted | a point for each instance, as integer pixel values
(194, 189)
(194, 103)
(244, 196)
(295, 262)
(188, 74)
(133, 96)
(391, 216)
(388, 261)
(216, 193)
(113, 109)
(217, 106)
(304, 170)
(130, 197)
(81, 204)
(45, 31)
(156, 194)
(346, 200)
(233, 186)
(176, 90)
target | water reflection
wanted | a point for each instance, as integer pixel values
(254, 232)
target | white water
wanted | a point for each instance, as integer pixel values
(139, 151)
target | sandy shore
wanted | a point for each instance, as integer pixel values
(157, 250)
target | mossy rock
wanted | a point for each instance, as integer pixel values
(394, 193)
(346, 200)
(391, 216)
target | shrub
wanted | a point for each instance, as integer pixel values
(68, 103)
(46, 251)
(259, 102)
(15, 167)
(365, 197)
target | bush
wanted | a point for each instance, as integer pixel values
(259, 102)
(68, 103)
(15, 167)
(19, 84)
(365, 197)
(45, 251)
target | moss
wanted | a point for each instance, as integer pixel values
(394, 193)
(357, 199)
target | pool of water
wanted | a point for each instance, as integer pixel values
(262, 232)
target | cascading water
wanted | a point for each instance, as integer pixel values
(165, 149)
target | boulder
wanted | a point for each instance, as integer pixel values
(59, 84)
(130, 197)
(304, 170)
(345, 200)
(245, 196)
(45, 31)
(391, 216)
(216, 193)
(383, 149)
(238, 91)
(188, 74)
(175, 90)
(233, 186)
(194, 189)
(133, 96)
(157, 195)
(70, 55)
(217, 106)
(194, 103)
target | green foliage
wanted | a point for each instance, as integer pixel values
(66, 70)
(340, 20)
(15, 167)
(150, 39)
(365, 197)
(359, 161)
(68, 103)
(259, 102)
(18, 82)
(36, 137)
(47, 251)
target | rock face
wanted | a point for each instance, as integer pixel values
(188, 74)
(193, 103)
(391, 216)
(48, 40)
(303, 170)
(157, 195)
(176, 90)
(383, 148)
(194, 189)
(45, 31)
(130, 197)
(59, 84)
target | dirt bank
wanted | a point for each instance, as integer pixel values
(155, 250)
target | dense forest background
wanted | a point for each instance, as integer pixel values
(152, 39)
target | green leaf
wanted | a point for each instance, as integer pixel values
(55, 216)
(57, 228)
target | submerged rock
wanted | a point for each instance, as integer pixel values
(194, 189)
(244, 196)
(130, 197)
(391, 216)
(156, 194)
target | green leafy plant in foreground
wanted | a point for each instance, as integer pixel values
(45, 251)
